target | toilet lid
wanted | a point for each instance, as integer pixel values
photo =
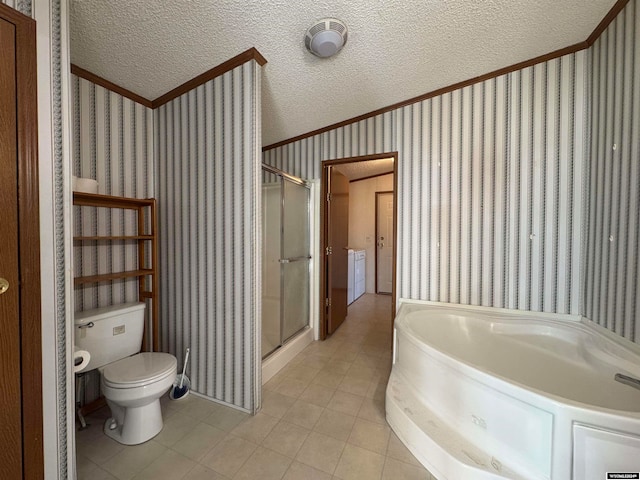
(139, 369)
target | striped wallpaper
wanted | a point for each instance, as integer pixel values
(489, 187)
(302, 158)
(490, 191)
(208, 186)
(23, 6)
(612, 289)
(494, 181)
(113, 144)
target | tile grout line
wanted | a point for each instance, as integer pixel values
(363, 351)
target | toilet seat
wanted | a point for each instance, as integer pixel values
(139, 370)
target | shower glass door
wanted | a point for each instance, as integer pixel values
(271, 288)
(295, 259)
(286, 259)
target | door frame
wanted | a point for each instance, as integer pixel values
(324, 181)
(394, 236)
(29, 242)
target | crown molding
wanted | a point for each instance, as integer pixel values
(606, 21)
(103, 82)
(246, 56)
(609, 17)
(254, 54)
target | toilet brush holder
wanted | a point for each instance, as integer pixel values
(182, 384)
(174, 393)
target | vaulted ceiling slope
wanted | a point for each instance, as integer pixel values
(397, 49)
(367, 169)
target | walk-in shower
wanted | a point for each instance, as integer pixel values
(286, 258)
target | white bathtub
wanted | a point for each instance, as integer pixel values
(482, 393)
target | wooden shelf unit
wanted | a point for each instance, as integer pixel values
(146, 215)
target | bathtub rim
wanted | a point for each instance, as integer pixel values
(623, 342)
(526, 393)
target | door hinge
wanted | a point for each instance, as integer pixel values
(328, 197)
(328, 250)
(327, 302)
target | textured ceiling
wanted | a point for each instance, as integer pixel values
(369, 168)
(397, 49)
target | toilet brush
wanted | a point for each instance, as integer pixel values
(182, 389)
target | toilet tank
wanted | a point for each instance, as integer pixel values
(109, 333)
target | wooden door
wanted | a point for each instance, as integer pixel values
(337, 241)
(384, 242)
(10, 399)
(20, 329)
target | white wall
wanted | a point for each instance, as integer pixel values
(362, 220)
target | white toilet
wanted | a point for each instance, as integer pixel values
(131, 382)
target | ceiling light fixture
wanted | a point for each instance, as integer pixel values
(326, 37)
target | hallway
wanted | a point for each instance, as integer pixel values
(322, 418)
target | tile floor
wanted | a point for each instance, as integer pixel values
(322, 418)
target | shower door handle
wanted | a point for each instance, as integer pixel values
(295, 259)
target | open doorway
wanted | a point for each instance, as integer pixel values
(385, 242)
(349, 233)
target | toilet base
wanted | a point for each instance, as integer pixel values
(134, 425)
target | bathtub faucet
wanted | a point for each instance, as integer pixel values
(627, 380)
